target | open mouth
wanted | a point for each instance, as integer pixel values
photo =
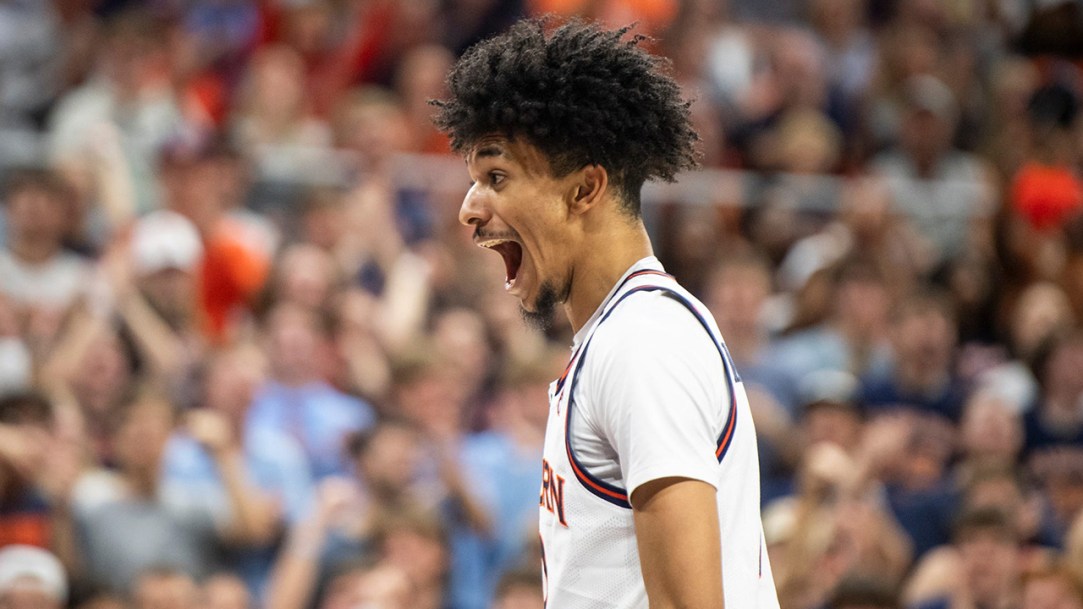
(511, 252)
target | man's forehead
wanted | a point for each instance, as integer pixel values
(515, 150)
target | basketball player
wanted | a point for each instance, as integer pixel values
(650, 484)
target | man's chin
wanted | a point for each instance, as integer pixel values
(536, 319)
(540, 316)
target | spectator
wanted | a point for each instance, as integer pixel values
(273, 463)
(156, 293)
(272, 122)
(305, 275)
(38, 277)
(943, 191)
(417, 544)
(853, 337)
(130, 522)
(738, 292)
(203, 181)
(129, 97)
(297, 400)
(986, 564)
(921, 377)
(435, 399)
(1053, 427)
(36, 466)
(990, 433)
(508, 453)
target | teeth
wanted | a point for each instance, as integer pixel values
(491, 243)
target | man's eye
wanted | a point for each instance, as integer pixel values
(496, 178)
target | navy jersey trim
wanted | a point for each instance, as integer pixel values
(609, 492)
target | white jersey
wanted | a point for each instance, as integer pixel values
(659, 405)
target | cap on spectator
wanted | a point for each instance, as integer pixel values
(833, 387)
(22, 565)
(165, 240)
(929, 94)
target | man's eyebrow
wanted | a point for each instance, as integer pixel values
(491, 151)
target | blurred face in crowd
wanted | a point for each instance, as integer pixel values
(102, 375)
(422, 557)
(140, 437)
(866, 209)
(990, 564)
(323, 220)
(226, 591)
(390, 461)
(862, 303)
(989, 431)
(925, 135)
(836, 423)
(276, 85)
(433, 400)
(1063, 381)
(202, 186)
(295, 344)
(36, 215)
(1002, 492)
(931, 444)
(924, 339)
(306, 276)
(1042, 310)
(421, 76)
(736, 294)
(232, 380)
(32, 420)
(135, 55)
(165, 590)
(374, 127)
(460, 336)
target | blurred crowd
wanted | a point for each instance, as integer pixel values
(250, 360)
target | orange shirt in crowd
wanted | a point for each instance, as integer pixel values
(1046, 196)
(233, 273)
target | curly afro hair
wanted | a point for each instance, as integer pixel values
(580, 94)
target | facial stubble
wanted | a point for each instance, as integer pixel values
(545, 306)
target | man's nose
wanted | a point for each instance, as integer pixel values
(474, 211)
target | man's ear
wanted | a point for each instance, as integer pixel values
(589, 188)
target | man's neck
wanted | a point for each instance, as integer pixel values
(597, 272)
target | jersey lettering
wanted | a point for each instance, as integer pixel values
(552, 492)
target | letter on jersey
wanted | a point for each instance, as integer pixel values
(552, 492)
